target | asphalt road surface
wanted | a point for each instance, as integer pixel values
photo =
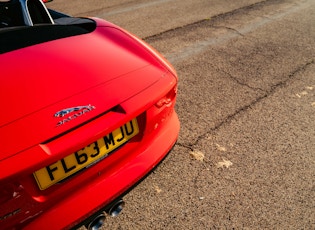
(245, 157)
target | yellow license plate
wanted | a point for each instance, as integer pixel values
(87, 156)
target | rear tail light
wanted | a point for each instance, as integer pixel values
(16, 205)
(168, 99)
(9, 197)
(161, 111)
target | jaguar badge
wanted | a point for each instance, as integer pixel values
(73, 113)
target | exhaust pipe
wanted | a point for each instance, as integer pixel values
(113, 211)
(97, 223)
(116, 208)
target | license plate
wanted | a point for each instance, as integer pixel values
(85, 157)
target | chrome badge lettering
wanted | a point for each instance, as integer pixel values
(80, 110)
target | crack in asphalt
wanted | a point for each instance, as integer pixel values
(229, 118)
(214, 18)
(230, 29)
(237, 80)
(199, 47)
(132, 8)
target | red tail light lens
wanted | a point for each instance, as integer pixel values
(168, 99)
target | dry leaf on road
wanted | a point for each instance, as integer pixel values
(197, 155)
(224, 163)
(157, 189)
(220, 148)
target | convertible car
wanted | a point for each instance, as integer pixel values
(87, 111)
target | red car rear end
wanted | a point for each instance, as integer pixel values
(87, 111)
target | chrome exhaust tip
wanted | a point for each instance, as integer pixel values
(116, 208)
(97, 223)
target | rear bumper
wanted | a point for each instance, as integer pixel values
(102, 191)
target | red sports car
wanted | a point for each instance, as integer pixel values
(87, 112)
